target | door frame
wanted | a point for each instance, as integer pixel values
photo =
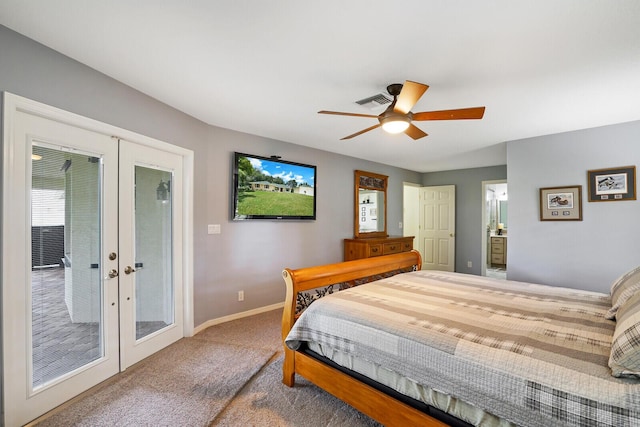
(12, 166)
(410, 209)
(485, 241)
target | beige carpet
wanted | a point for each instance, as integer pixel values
(266, 402)
(227, 375)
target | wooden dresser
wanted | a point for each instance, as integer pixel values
(498, 250)
(375, 246)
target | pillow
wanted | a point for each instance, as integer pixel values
(624, 359)
(622, 289)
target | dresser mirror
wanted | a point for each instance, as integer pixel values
(370, 218)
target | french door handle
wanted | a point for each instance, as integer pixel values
(128, 270)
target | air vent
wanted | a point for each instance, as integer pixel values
(374, 101)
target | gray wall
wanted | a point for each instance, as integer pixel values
(250, 255)
(246, 256)
(588, 254)
(469, 205)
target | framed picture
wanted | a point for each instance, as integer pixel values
(561, 203)
(611, 185)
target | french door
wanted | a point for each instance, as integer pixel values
(149, 229)
(92, 260)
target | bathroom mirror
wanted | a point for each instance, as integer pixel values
(370, 218)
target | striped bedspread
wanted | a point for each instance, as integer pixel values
(530, 354)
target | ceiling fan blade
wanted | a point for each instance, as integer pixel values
(337, 113)
(362, 131)
(462, 113)
(409, 95)
(415, 132)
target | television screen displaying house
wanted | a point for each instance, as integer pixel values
(273, 189)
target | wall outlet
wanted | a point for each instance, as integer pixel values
(400, 224)
(240, 295)
(469, 264)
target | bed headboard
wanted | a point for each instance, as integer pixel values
(344, 274)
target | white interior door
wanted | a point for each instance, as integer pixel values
(77, 213)
(437, 227)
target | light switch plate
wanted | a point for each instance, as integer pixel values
(214, 228)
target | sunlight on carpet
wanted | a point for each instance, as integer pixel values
(188, 383)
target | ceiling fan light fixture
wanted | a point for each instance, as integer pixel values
(398, 116)
(395, 124)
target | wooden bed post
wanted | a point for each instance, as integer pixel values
(288, 318)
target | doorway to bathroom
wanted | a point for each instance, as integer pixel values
(495, 228)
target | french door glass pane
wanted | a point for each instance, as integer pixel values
(153, 247)
(66, 292)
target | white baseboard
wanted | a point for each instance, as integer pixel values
(236, 316)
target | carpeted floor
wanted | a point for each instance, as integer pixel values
(267, 402)
(227, 375)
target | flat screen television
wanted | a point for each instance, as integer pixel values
(271, 188)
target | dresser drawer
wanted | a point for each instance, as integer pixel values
(376, 246)
(375, 250)
(497, 240)
(497, 249)
(392, 248)
(497, 258)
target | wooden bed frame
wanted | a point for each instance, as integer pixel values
(365, 398)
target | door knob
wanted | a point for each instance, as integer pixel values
(113, 273)
(128, 270)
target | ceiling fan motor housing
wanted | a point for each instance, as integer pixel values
(391, 116)
(391, 120)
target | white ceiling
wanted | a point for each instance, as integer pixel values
(267, 67)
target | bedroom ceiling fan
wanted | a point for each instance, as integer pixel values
(398, 116)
